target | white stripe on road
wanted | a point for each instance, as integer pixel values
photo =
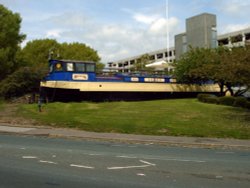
(81, 166)
(29, 157)
(127, 167)
(49, 162)
(151, 164)
(127, 157)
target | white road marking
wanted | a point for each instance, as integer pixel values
(23, 148)
(151, 164)
(127, 157)
(148, 144)
(29, 157)
(140, 174)
(94, 154)
(49, 162)
(53, 156)
(81, 166)
(173, 159)
(127, 167)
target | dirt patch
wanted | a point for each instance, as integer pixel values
(8, 115)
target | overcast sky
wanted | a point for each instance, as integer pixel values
(122, 28)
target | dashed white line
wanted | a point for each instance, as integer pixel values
(127, 167)
(29, 157)
(49, 162)
(81, 166)
(140, 174)
(127, 157)
(94, 154)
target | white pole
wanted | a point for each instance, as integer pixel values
(167, 16)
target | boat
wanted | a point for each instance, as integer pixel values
(70, 80)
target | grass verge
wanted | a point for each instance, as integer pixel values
(182, 117)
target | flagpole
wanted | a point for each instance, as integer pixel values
(167, 16)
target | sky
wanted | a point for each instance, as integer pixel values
(118, 29)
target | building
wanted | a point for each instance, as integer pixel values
(124, 65)
(200, 32)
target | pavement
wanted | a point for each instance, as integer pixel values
(128, 138)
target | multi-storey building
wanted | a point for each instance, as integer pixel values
(200, 32)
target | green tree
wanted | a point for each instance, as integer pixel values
(37, 52)
(82, 52)
(227, 67)
(10, 38)
(22, 81)
(141, 63)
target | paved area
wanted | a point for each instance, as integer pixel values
(163, 140)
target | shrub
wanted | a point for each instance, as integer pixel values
(212, 100)
(22, 81)
(228, 100)
(202, 97)
(240, 102)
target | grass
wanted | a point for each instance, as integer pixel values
(182, 117)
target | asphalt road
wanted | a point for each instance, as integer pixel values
(27, 161)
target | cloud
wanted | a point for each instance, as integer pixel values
(55, 33)
(234, 8)
(146, 19)
(160, 25)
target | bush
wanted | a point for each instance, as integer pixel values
(240, 102)
(228, 100)
(24, 80)
(212, 100)
(202, 97)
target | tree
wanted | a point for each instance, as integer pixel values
(10, 38)
(22, 81)
(37, 52)
(229, 68)
(79, 51)
(141, 63)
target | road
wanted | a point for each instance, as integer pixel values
(28, 161)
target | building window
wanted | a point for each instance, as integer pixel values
(223, 42)
(237, 38)
(247, 35)
(159, 56)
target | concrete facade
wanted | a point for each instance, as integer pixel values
(200, 32)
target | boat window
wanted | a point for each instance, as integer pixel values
(80, 67)
(51, 68)
(70, 67)
(90, 67)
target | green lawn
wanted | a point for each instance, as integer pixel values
(163, 117)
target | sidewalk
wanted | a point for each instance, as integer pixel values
(128, 138)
